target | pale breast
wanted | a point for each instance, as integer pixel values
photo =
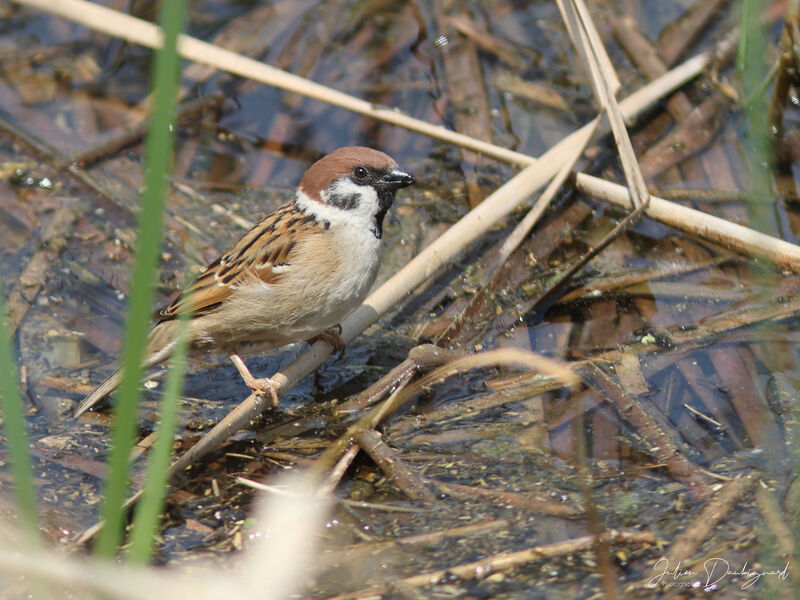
(341, 270)
(330, 275)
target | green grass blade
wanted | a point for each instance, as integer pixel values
(157, 158)
(16, 433)
(150, 505)
(750, 63)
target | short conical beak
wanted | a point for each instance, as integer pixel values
(396, 179)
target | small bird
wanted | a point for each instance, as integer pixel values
(294, 276)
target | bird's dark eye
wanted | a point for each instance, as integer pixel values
(360, 174)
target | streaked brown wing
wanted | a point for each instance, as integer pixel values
(268, 245)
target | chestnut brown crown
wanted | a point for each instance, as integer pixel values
(363, 165)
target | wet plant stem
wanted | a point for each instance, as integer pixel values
(158, 157)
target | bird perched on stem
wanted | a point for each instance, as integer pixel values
(294, 276)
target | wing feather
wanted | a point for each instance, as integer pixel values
(269, 244)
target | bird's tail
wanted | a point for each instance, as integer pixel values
(100, 392)
(159, 346)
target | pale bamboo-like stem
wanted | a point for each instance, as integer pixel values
(118, 24)
(605, 84)
(587, 42)
(112, 22)
(525, 225)
(734, 237)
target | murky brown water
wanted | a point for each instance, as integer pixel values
(689, 351)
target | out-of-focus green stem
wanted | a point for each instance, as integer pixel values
(750, 62)
(158, 157)
(149, 507)
(16, 433)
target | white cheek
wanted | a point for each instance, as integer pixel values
(362, 215)
(367, 197)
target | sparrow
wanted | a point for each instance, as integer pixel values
(293, 277)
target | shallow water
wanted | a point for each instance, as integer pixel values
(690, 332)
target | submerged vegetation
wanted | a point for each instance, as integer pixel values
(594, 395)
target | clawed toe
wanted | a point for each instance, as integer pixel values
(333, 338)
(260, 385)
(263, 386)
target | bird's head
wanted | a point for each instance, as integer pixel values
(353, 185)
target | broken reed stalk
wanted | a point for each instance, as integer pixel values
(118, 24)
(736, 238)
(605, 84)
(505, 561)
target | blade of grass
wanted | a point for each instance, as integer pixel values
(148, 510)
(750, 63)
(158, 155)
(16, 434)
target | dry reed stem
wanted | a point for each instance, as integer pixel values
(141, 32)
(736, 238)
(112, 22)
(524, 227)
(587, 41)
(509, 560)
(708, 518)
(605, 84)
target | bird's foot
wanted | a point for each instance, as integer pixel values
(333, 337)
(261, 386)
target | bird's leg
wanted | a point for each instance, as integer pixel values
(333, 337)
(259, 385)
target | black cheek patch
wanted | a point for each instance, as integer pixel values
(349, 202)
